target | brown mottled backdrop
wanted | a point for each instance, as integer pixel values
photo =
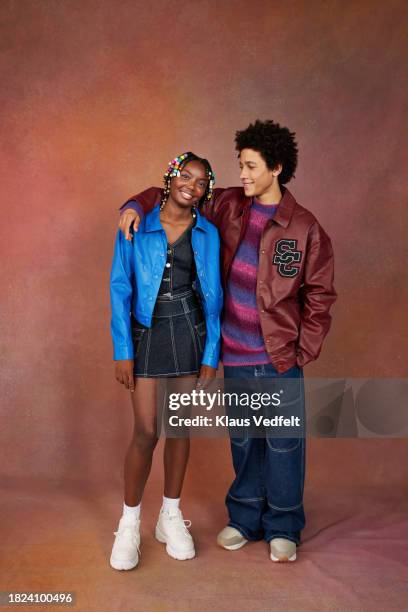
(96, 97)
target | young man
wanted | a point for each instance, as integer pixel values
(277, 269)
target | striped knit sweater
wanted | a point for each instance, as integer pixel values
(242, 341)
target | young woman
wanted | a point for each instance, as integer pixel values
(166, 299)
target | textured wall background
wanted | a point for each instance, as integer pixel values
(97, 96)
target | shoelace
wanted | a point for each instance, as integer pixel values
(122, 532)
(182, 524)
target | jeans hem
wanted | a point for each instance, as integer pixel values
(244, 532)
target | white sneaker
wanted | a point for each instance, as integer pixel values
(171, 529)
(126, 547)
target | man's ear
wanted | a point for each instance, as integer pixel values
(277, 170)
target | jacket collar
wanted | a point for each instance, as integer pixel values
(285, 209)
(200, 222)
(153, 224)
(152, 220)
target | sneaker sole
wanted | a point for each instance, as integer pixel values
(283, 559)
(233, 546)
(119, 564)
(172, 552)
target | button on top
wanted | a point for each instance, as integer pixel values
(168, 265)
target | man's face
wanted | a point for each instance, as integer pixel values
(257, 179)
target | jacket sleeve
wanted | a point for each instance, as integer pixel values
(317, 295)
(211, 352)
(121, 292)
(210, 209)
(146, 200)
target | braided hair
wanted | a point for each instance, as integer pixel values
(177, 164)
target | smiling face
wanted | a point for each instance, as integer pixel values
(257, 179)
(187, 189)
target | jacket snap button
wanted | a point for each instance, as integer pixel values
(168, 265)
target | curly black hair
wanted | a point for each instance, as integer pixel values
(276, 144)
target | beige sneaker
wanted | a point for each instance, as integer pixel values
(231, 539)
(282, 550)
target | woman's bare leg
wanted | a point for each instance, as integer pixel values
(176, 453)
(138, 460)
(177, 450)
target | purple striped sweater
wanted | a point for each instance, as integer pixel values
(242, 340)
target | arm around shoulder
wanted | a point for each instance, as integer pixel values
(144, 201)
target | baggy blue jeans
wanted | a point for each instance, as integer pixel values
(265, 500)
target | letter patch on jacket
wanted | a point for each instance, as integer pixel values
(285, 255)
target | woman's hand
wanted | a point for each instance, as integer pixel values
(206, 375)
(124, 373)
(125, 221)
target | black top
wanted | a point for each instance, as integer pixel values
(180, 269)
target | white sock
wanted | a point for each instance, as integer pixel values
(170, 503)
(131, 510)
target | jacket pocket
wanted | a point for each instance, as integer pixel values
(137, 336)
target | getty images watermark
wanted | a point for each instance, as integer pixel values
(220, 399)
(289, 408)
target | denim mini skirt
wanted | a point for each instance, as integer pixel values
(174, 344)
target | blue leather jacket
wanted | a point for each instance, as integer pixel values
(137, 271)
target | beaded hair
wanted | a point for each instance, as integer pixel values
(177, 164)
